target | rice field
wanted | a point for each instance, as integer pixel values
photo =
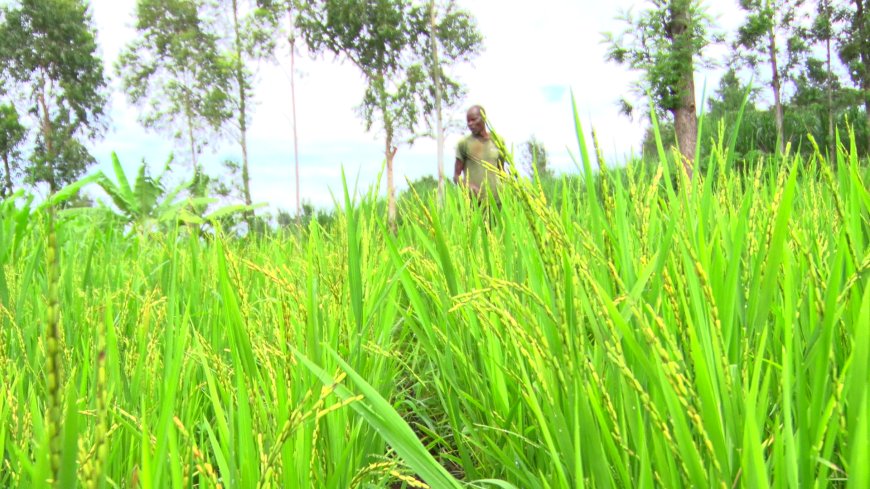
(642, 331)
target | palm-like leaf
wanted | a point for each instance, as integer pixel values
(148, 202)
(69, 191)
(120, 193)
(146, 191)
(123, 184)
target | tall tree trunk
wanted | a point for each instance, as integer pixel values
(436, 76)
(193, 161)
(243, 113)
(47, 135)
(686, 127)
(293, 108)
(686, 113)
(389, 151)
(8, 183)
(777, 100)
(190, 139)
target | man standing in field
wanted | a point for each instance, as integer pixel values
(471, 152)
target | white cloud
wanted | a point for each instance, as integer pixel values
(533, 57)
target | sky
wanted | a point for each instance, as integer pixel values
(534, 56)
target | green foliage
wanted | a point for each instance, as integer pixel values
(145, 204)
(175, 73)
(70, 157)
(374, 36)
(781, 19)
(203, 208)
(387, 40)
(806, 115)
(424, 185)
(457, 40)
(15, 211)
(324, 218)
(631, 334)
(425, 188)
(662, 42)
(854, 46)
(269, 17)
(534, 158)
(50, 52)
(760, 40)
(12, 134)
(18, 214)
(228, 183)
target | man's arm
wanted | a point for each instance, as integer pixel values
(458, 168)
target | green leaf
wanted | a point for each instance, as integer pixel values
(383, 418)
(70, 190)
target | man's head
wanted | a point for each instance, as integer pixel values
(475, 121)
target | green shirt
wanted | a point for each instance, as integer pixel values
(473, 151)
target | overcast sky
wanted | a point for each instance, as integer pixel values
(534, 54)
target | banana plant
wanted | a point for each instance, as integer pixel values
(147, 205)
(197, 213)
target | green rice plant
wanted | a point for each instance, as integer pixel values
(626, 328)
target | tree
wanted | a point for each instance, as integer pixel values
(725, 106)
(422, 188)
(174, 71)
(401, 57)
(821, 103)
(823, 31)
(664, 42)
(854, 48)
(649, 147)
(12, 135)
(276, 9)
(729, 96)
(49, 53)
(244, 32)
(376, 36)
(450, 36)
(435, 73)
(806, 112)
(767, 22)
(535, 158)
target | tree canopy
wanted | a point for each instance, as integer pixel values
(12, 134)
(174, 72)
(665, 42)
(49, 59)
(387, 40)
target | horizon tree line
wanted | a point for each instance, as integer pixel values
(802, 53)
(191, 70)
